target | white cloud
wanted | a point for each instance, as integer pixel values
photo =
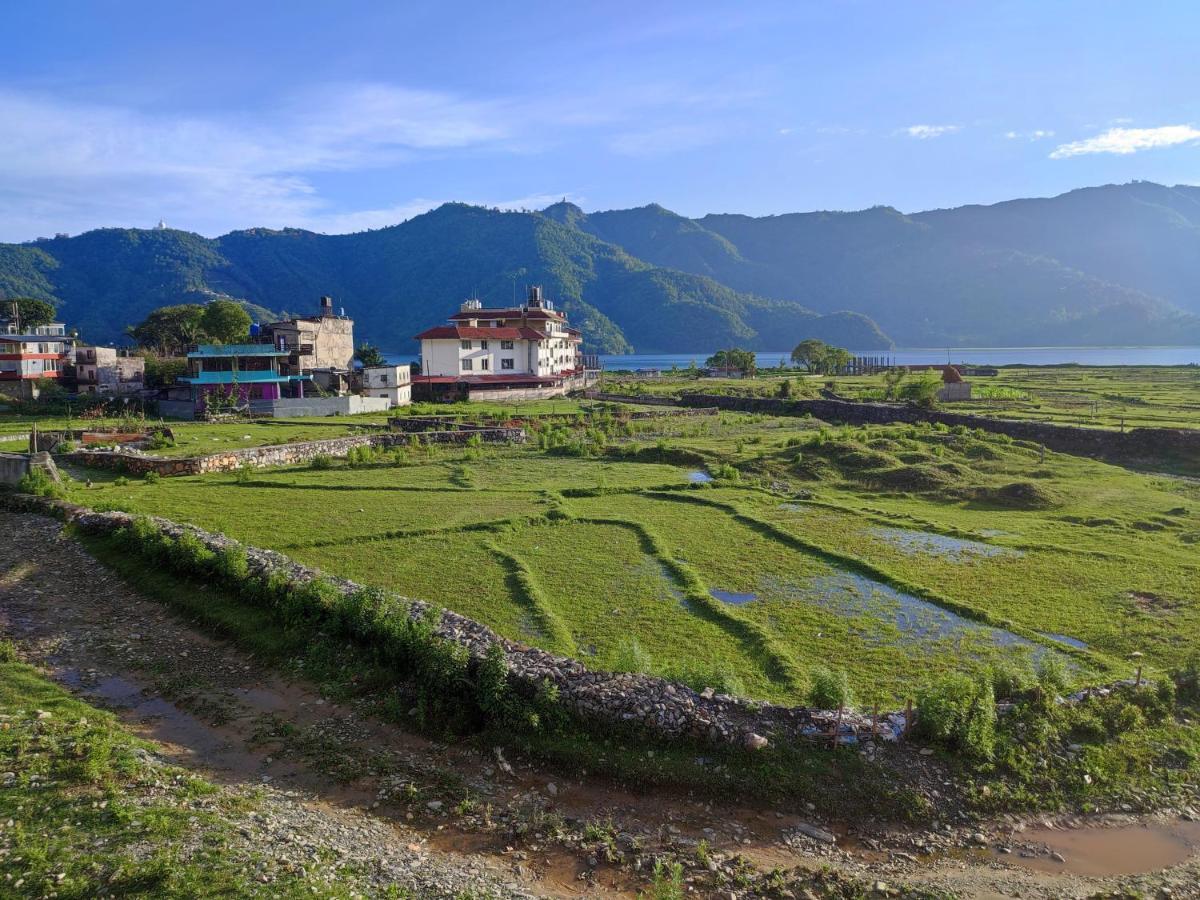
(925, 132)
(1038, 134)
(1123, 141)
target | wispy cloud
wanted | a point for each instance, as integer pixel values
(1123, 141)
(1038, 134)
(925, 132)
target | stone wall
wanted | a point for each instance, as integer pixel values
(1136, 443)
(15, 466)
(277, 454)
(659, 707)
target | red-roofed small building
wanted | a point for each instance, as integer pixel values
(508, 353)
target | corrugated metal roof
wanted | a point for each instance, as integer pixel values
(466, 332)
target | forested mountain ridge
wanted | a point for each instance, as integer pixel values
(399, 280)
(1106, 265)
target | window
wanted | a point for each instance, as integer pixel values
(485, 364)
(506, 345)
(466, 345)
(483, 345)
(506, 363)
(468, 365)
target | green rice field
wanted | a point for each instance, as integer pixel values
(740, 551)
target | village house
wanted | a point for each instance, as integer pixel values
(104, 370)
(235, 375)
(509, 353)
(321, 346)
(30, 354)
(394, 383)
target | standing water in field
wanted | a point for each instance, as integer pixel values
(929, 543)
(699, 477)
(916, 620)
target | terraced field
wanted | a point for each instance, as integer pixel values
(890, 553)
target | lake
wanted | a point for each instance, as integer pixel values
(994, 356)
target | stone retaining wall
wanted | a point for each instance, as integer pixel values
(1136, 443)
(276, 454)
(660, 707)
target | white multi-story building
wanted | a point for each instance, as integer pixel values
(391, 382)
(491, 351)
(30, 354)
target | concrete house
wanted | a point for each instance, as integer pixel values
(504, 353)
(394, 383)
(321, 345)
(102, 370)
(29, 354)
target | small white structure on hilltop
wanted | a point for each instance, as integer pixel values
(161, 226)
(509, 353)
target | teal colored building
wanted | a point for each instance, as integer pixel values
(239, 373)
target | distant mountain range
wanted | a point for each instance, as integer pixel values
(1118, 264)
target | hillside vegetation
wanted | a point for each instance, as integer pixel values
(1104, 265)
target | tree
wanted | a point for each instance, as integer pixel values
(922, 391)
(170, 329)
(32, 312)
(369, 355)
(225, 322)
(737, 358)
(810, 353)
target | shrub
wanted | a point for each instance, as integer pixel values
(1052, 674)
(160, 441)
(120, 481)
(38, 483)
(8, 652)
(1010, 679)
(65, 447)
(321, 461)
(726, 472)
(152, 477)
(960, 713)
(829, 689)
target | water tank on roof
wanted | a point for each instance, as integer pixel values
(255, 329)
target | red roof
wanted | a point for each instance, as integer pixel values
(466, 332)
(515, 313)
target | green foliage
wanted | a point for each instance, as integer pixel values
(820, 358)
(321, 461)
(959, 712)
(829, 689)
(32, 312)
(631, 657)
(170, 330)
(369, 355)
(738, 359)
(225, 322)
(152, 477)
(921, 390)
(38, 483)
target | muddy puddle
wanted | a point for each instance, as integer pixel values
(1100, 852)
(928, 543)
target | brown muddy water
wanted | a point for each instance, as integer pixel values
(1100, 851)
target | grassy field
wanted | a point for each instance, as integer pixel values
(1102, 397)
(892, 553)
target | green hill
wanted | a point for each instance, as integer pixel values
(399, 280)
(1117, 264)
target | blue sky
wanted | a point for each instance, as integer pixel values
(351, 115)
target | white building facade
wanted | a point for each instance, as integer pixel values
(393, 383)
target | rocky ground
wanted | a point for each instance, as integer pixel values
(335, 783)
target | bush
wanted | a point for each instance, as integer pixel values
(38, 483)
(65, 447)
(120, 481)
(829, 689)
(321, 461)
(1052, 675)
(960, 713)
(160, 441)
(152, 478)
(1011, 679)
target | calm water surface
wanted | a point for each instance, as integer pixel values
(995, 356)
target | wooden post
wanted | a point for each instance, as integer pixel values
(1138, 682)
